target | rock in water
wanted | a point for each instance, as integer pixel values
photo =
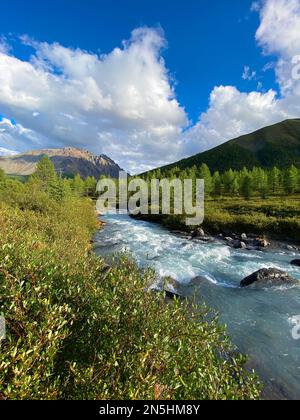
(261, 242)
(296, 263)
(269, 277)
(228, 239)
(198, 233)
(239, 245)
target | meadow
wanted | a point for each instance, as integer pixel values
(277, 217)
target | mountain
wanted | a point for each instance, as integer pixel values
(276, 145)
(68, 161)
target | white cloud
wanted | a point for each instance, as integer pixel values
(7, 152)
(4, 46)
(122, 103)
(248, 74)
(279, 34)
(232, 113)
(255, 7)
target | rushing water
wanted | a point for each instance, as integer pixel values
(259, 321)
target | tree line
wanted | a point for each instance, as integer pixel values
(245, 183)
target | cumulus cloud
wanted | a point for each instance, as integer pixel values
(231, 112)
(121, 103)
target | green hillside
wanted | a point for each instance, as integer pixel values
(276, 145)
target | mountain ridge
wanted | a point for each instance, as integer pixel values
(69, 161)
(274, 145)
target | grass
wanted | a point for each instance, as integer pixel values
(278, 217)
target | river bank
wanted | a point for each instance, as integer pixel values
(259, 321)
(278, 218)
(250, 241)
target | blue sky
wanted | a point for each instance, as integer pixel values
(207, 45)
(209, 42)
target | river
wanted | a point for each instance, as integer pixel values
(259, 322)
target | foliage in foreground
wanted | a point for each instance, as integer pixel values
(78, 331)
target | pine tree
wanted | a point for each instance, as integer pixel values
(247, 187)
(274, 180)
(291, 180)
(57, 189)
(45, 173)
(205, 174)
(228, 179)
(77, 185)
(235, 185)
(262, 182)
(90, 186)
(217, 184)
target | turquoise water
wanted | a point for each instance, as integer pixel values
(259, 321)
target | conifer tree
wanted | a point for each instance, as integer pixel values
(45, 173)
(291, 180)
(247, 187)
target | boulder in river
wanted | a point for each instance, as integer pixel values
(269, 277)
(228, 239)
(239, 245)
(198, 233)
(296, 263)
(290, 248)
(261, 242)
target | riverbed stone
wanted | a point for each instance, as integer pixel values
(269, 277)
(205, 239)
(290, 248)
(253, 248)
(237, 244)
(296, 263)
(198, 233)
(261, 242)
(228, 239)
